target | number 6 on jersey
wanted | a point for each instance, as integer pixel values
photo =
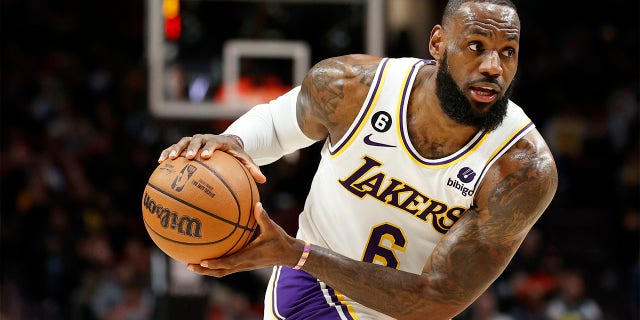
(384, 240)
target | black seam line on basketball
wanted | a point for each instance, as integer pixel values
(213, 215)
(250, 211)
(182, 242)
(251, 229)
(235, 198)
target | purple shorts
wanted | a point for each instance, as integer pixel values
(295, 294)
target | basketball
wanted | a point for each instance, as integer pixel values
(200, 209)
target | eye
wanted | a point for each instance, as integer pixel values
(509, 52)
(475, 46)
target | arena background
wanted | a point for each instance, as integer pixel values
(79, 141)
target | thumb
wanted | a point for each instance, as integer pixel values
(257, 174)
(263, 220)
(262, 217)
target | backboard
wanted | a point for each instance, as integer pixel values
(214, 59)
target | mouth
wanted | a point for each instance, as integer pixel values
(484, 94)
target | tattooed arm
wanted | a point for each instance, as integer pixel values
(476, 250)
(323, 107)
(514, 193)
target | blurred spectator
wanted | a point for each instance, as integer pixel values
(530, 254)
(573, 301)
(632, 301)
(230, 304)
(77, 143)
(531, 294)
(622, 115)
(530, 278)
(486, 307)
(567, 131)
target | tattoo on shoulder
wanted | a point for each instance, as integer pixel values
(327, 89)
(521, 193)
(354, 69)
(367, 73)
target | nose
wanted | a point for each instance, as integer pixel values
(490, 65)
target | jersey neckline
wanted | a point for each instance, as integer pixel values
(460, 154)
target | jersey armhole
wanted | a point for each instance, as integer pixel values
(364, 112)
(501, 150)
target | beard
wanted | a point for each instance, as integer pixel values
(456, 105)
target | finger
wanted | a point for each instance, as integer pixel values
(163, 155)
(174, 151)
(243, 259)
(210, 146)
(218, 273)
(194, 146)
(254, 169)
(261, 215)
(232, 147)
(179, 147)
(223, 143)
(264, 224)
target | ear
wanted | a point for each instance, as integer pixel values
(436, 43)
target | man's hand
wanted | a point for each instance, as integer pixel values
(208, 143)
(272, 247)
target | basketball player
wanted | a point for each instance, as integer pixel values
(429, 179)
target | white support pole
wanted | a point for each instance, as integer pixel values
(375, 28)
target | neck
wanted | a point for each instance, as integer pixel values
(432, 132)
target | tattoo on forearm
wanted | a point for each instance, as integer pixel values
(488, 242)
(359, 282)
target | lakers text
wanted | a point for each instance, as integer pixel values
(394, 192)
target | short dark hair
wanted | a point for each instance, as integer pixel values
(453, 6)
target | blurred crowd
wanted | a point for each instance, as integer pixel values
(78, 144)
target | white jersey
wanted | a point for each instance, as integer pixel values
(374, 198)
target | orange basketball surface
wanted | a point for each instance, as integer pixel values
(200, 209)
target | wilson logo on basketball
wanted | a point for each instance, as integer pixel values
(181, 180)
(169, 219)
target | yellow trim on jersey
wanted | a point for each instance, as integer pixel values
(365, 117)
(271, 291)
(501, 149)
(402, 121)
(343, 301)
(508, 140)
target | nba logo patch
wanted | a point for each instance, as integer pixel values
(180, 181)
